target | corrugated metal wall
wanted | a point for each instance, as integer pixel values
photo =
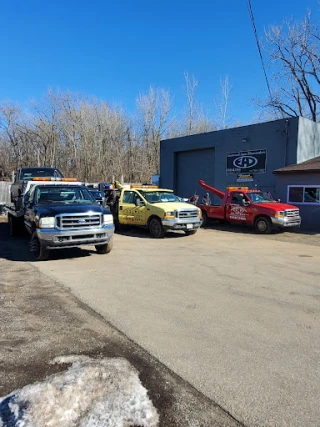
(5, 192)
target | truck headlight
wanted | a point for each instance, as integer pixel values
(47, 222)
(200, 213)
(170, 214)
(107, 219)
(279, 214)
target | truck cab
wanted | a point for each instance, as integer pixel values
(24, 175)
(156, 209)
(251, 207)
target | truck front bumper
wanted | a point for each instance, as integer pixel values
(182, 224)
(52, 238)
(287, 221)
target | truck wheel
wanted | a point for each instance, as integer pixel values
(156, 229)
(263, 225)
(190, 232)
(204, 219)
(104, 249)
(40, 253)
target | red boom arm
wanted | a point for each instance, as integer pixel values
(211, 189)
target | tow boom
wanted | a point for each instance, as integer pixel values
(211, 189)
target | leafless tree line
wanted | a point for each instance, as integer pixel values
(90, 139)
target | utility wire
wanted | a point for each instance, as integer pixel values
(258, 44)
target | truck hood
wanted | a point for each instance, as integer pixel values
(52, 210)
(275, 206)
(172, 206)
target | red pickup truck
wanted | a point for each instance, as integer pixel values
(251, 207)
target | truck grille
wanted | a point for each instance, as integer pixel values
(188, 214)
(292, 213)
(78, 222)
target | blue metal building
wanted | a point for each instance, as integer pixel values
(246, 155)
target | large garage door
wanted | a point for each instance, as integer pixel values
(190, 166)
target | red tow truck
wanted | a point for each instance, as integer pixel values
(250, 207)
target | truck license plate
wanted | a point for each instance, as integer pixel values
(189, 225)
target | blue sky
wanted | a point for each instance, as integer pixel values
(116, 49)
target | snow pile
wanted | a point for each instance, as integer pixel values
(90, 393)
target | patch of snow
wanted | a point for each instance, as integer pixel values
(90, 393)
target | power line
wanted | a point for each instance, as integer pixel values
(258, 44)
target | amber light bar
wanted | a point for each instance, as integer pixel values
(237, 188)
(38, 178)
(143, 186)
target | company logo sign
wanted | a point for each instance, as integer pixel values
(82, 221)
(253, 161)
(245, 162)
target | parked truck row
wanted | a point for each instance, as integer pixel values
(60, 212)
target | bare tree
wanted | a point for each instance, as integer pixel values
(293, 49)
(154, 122)
(190, 90)
(222, 104)
(10, 117)
(196, 119)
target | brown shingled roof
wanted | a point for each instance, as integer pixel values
(312, 165)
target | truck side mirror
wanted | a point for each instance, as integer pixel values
(139, 202)
(246, 203)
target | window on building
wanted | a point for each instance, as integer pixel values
(311, 195)
(304, 194)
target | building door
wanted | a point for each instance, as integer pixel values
(190, 166)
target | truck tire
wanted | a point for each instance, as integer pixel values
(263, 225)
(39, 252)
(204, 219)
(104, 249)
(190, 232)
(156, 229)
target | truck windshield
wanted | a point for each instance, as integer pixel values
(63, 195)
(97, 193)
(260, 197)
(159, 196)
(29, 173)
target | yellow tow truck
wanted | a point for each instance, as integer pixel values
(156, 209)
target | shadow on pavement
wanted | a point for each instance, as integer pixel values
(142, 233)
(17, 248)
(244, 229)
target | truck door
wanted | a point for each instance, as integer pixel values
(236, 211)
(129, 212)
(140, 210)
(124, 206)
(29, 213)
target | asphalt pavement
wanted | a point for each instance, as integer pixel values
(233, 313)
(40, 319)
